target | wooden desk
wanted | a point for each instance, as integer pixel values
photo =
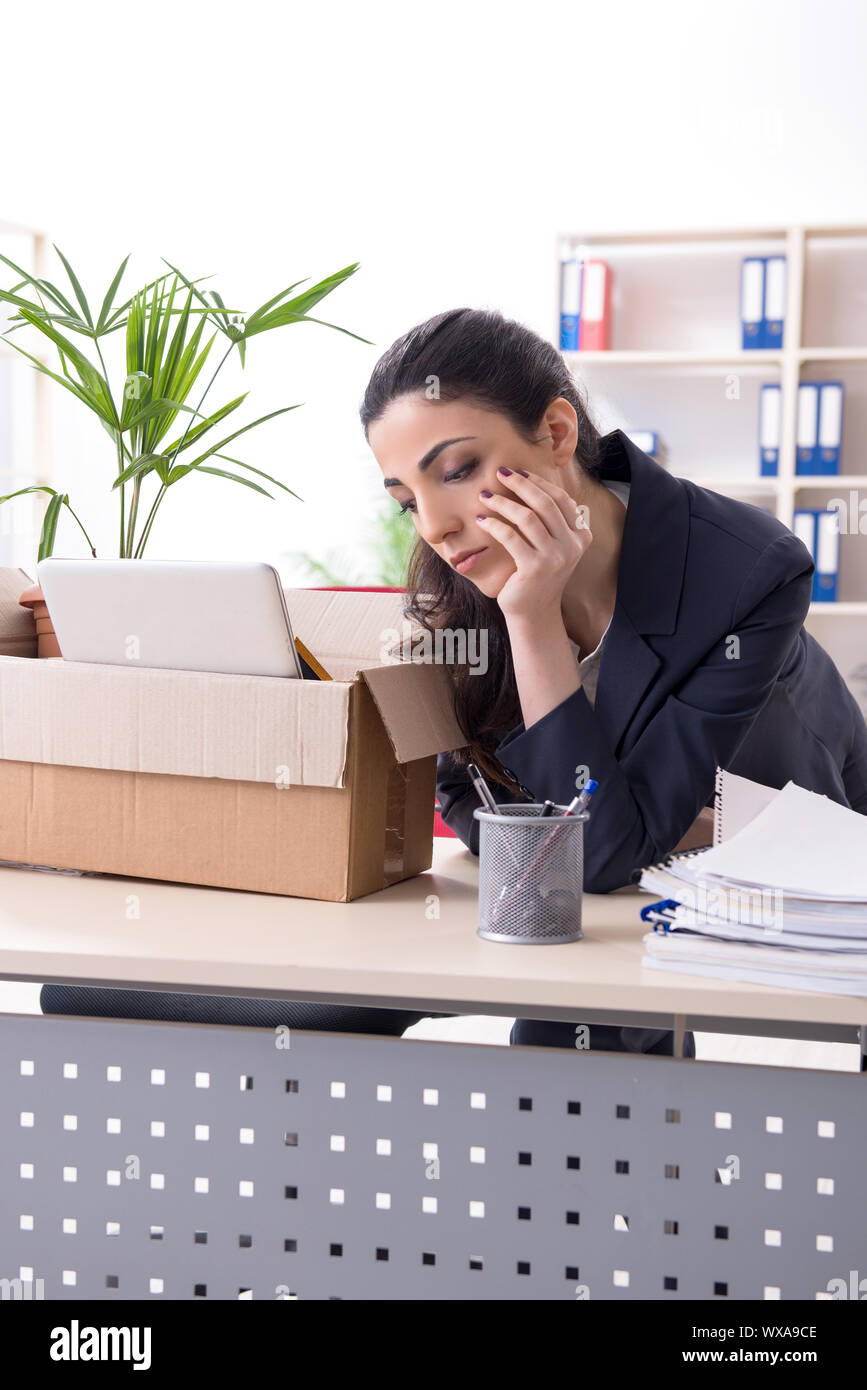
(322, 1165)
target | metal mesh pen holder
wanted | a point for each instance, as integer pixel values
(531, 875)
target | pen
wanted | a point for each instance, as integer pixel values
(546, 810)
(483, 789)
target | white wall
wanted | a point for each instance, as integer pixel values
(442, 146)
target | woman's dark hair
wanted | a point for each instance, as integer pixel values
(497, 364)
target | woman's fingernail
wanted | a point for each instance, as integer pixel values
(480, 518)
(507, 472)
(485, 493)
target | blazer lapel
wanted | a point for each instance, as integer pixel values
(649, 582)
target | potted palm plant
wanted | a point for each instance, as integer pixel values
(158, 437)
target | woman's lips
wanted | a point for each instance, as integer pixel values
(471, 560)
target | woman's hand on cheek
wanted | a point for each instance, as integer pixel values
(537, 527)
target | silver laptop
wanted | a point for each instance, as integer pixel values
(186, 615)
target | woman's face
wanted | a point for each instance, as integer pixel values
(436, 457)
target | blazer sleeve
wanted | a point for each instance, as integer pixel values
(645, 803)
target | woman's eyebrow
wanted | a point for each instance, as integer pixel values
(430, 456)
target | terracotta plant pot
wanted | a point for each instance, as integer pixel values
(47, 644)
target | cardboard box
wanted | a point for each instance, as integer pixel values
(317, 789)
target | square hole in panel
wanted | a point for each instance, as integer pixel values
(672, 1170)
(524, 1213)
(774, 1181)
(292, 1086)
(825, 1187)
(382, 1092)
(245, 1242)
(338, 1091)
(720, 1232)
(825, 1243)
(25, 1170)
(246, 1136)
(826, 1129)
(202, 1133)
(245, 1188)
(290, 1246)
(383, 1146)
(429, 1204)
(70, 1122)
(337, 1196)
(477, 1153)
(200, 1238)
(70, 1277)
(572, 1272)
(721, 1289)
(773, 1237)
(200, 1290)
(27, 1068)
(669, 1283)
(158, 1181)
(771, 1291)
(157, 1232)
(201, 1185)
(70, 1174)
(383, 1200)
(430, 1095)
(113, 1073)
(158, 1129)
(70, 1226)
(523, 1267)
(246, 1082)
(477, 1209)
(70, 1071)
(621, 1278)
(621, 1223)
(158, 1076)
(112, 1228)
(155, 1285)
(672, 1117)
(428, 1257)
(670, 1228)
(25, 1119)
(478, 1100)
(622, 1112)
(338, 1143)
(476, 1262)
(381, 1254)
(573, 1161)
(111, 1281)
(573, 1107)
(203, 1079)
(290, 1139)
(112, 1125)
(774, 1124)
(573, 1218)
(290, 1193)
(722, 1119)
(112, 1177)
(25, 1223)
(621, 1165)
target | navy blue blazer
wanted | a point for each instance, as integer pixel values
(677, 694)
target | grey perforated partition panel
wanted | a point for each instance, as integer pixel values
(176, 1161)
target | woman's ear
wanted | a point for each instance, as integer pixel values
(561, 422)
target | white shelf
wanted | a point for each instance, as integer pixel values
(701, 391)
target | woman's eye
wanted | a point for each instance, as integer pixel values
(462, 472)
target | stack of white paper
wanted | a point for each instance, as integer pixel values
(783, 901)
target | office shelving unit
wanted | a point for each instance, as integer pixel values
(24, 412)
(676, 366)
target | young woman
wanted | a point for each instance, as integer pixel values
(639, 629)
